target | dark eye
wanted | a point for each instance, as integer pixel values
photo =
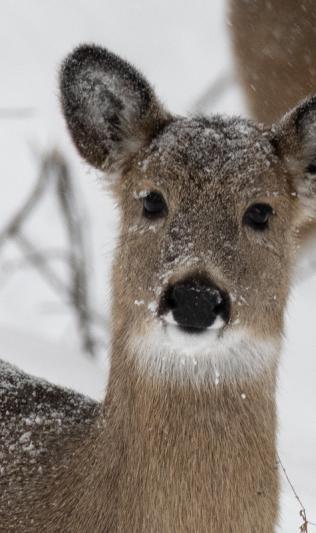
(257, 216)
(154, 205)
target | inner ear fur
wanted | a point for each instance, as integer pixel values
(110, 109)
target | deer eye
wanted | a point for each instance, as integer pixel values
(154, 205)
(257, 216)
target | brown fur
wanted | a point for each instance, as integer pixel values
(136, 470)
(274, 44)
(165, 454)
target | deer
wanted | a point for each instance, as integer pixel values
(274, 44)
(185, 439)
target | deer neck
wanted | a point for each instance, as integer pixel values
(180, 444)
(182, 415)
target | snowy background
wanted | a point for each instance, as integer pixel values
(183, 48)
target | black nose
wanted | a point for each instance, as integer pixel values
(195, 303)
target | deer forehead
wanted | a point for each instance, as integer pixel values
(205, 159)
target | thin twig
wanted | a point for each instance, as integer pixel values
(213, 93)
(33, 256)
(78, 256)
(17, 220)
(44, 255)
(306, 523)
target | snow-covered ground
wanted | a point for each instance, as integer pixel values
(182, 47)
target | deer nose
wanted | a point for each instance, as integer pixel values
(196, 304)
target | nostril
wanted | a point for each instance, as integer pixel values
(171, 299)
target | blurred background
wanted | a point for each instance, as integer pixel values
(58, 224)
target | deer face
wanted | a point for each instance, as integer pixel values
(210, 210)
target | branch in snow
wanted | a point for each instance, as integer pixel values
(76, 293)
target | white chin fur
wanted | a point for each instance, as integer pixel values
(168, 319)
(217, 355)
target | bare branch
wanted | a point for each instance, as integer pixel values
(55, 169)
(213, 93)
(17, 220)
(302, 512)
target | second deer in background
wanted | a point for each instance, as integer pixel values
(275, 49)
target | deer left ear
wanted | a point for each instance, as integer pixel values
(110, 108)
(295, 142)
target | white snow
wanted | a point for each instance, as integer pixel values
(152, 306)
(139, 302)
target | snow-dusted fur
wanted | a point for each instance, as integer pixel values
(185, 439)
(114, 122)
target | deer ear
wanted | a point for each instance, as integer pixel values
(110, 109)
(295, 140)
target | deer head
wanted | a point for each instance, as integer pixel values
(210, 208)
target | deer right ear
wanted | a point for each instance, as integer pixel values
(295, 141)
(110, 109)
